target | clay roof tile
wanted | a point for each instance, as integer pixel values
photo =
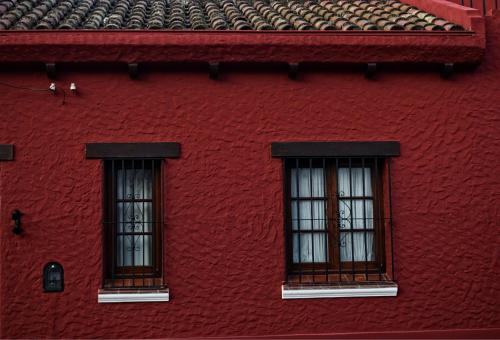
(218, 14)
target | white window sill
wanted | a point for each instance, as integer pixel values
(319, 292)
(108, 296)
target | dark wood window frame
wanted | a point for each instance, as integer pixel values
(132, 275)
(333, 217)
(136, 157)
(335, 155)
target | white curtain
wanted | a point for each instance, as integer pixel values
(356, 212)
(308, 215)
(134, 217)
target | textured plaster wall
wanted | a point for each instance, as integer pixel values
(224, 234)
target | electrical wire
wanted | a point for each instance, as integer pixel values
(19, 87)
(23, 87)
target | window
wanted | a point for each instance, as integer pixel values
(133, 219)
(334, 220)
(338, 223)
(133, 223)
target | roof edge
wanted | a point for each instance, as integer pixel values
(173, 46)
(470, 18)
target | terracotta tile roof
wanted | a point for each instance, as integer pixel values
(218, 15)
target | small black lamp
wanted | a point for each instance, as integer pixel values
(53, 278)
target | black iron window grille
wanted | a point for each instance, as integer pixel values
(338, 220)
(133, 223)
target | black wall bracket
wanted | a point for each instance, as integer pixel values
(50, 68)
(213, 70)
(133, 70)
(16, 217)
(447, 70)
(293, 70)
(370, 70)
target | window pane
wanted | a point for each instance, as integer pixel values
(136, 184)
(357, 182)
(352, 216)
(346, 251)
(312, 215)
(134, 217)
(306, 247)
(305, 177)
(134, 250)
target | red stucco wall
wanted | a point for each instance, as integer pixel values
(224, 235)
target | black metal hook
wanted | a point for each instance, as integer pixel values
(16, 217)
